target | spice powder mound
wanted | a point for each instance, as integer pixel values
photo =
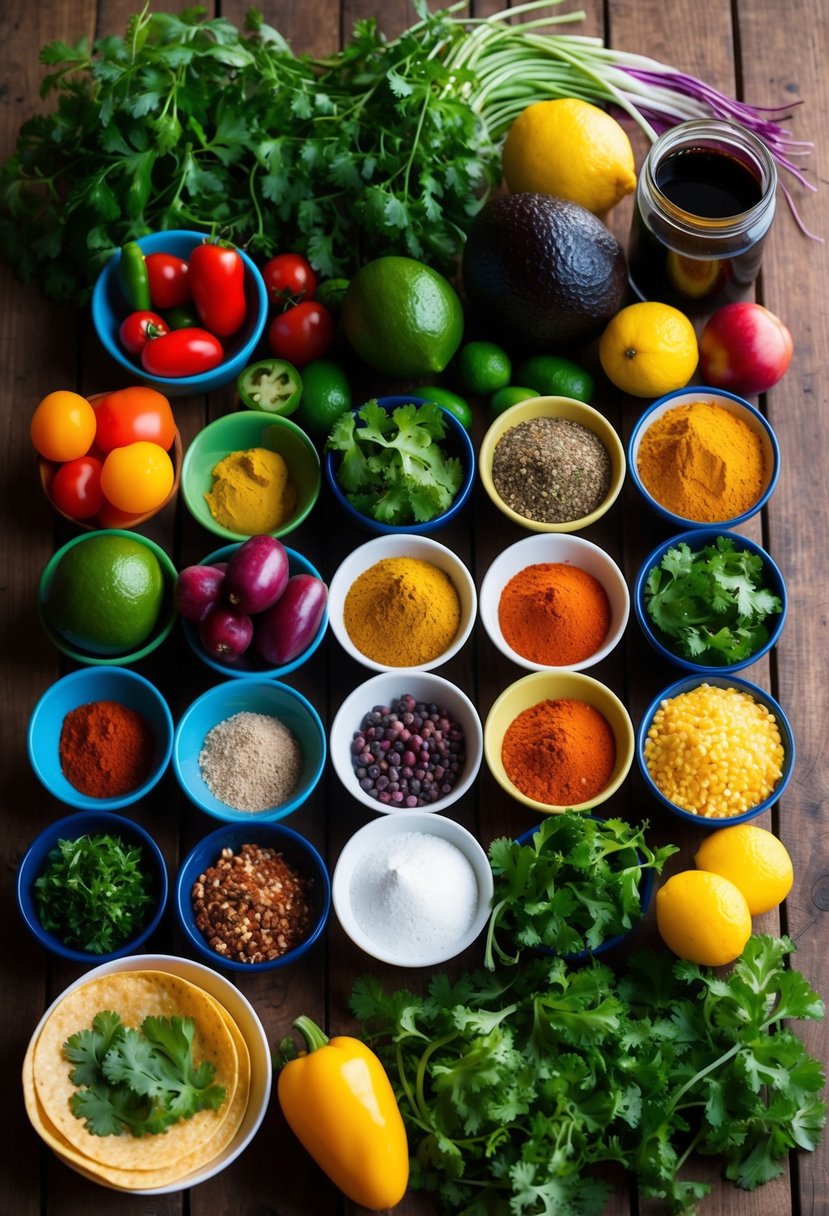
(251, 761)
(551, 470)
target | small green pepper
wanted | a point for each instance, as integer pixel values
(182, 316)
(272, 385)
(133, 277)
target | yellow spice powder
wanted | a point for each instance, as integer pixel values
(252, 492)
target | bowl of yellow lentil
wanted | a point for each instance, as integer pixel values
(715, 749)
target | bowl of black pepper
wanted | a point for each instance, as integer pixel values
(552, 464)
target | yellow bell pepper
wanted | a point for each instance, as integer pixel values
(339, 1103)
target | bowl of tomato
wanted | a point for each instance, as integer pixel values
(180, 312)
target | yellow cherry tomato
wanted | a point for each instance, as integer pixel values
(63, 426)
(137, 477)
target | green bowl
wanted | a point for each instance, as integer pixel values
(166, 619)
(238, 432)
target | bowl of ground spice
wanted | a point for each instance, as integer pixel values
(100, 738)
(249, 750)
(559, 740)
(402, 602)
(554, 600)
(702, 456)
(552, 464)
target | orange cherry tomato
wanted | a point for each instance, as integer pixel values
(132, 414)
(137, 477)
(63, 426)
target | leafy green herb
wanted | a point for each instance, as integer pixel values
(94, 892)
(393, 467)
(515, 1084)
(138, 1081)
(577, 883)
(711, 602)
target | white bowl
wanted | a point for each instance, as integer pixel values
(554, 547)
(376, 834)
(383, 689)
(422, 548)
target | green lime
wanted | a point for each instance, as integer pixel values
(402, 317)
(483, 367)
(552, 376)
(331, 292)
(105, 595)
(449, 400)
(326, 394)
(511, 395)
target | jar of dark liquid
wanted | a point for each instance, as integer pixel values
(704, 203)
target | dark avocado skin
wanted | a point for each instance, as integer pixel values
(545, 271)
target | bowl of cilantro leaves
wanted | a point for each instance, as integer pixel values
(399, 464)
(710, 600)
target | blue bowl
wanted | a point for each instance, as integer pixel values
(109, 309)
(73, 827)
(697, 539)
(248, 696)
(736, 405)
(80, 688)
(249, 666)
(298, 852)
(686, 684)
(456, 442)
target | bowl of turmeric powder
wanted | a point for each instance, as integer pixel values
(702, 456)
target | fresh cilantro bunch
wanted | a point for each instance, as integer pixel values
(517, 1086)
(575, 884)
(711, 603)
(138, 1081)
(392, 466)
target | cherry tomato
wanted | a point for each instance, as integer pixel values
(289, 278)
(137, 477)
(182, 352)
(63, 426)
(217, 281)
(130, 414)
(76, 488)
(301, 333)
(169, 279)
(138, 328)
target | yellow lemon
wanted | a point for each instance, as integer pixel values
(572, 149)
(755, 861)
(649, 349)
(703, 917)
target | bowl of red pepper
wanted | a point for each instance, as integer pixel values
(179, 311)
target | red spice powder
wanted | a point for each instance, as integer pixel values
(106, 749)
(559, 752)
(554, 613)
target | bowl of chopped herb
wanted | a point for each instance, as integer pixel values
(92, 887)
(709, 600)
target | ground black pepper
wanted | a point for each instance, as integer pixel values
(551, 470)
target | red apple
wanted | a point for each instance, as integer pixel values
(744, 348)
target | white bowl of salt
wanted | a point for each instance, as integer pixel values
(413, 889)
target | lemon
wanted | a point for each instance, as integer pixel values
(402, 317)
(649, 349)
(703, 917)
(755, 861)
(571, 149)
(106, 594)
(483, 367)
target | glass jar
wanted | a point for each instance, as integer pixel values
(705, 200)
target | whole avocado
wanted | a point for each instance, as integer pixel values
(544, 270)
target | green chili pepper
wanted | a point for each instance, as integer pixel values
(273, 385)
(182, 316)
(133, 277)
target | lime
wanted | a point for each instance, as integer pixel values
(402, 317)
(552, 376)
(326, 394)
(511, 395)
(483, 367)
(105, 595)
(449, 400)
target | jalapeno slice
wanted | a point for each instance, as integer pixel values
(273, 385)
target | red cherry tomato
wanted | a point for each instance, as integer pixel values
(289, 278)
(169, 279)
(130, 414)
(182, 352)
(301, 333)
(76, 488)
(217, 281)
(138, 328)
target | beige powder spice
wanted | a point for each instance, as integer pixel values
(251, 761)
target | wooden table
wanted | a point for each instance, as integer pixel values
(771, 54)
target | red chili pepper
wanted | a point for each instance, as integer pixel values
(139, 328)
(182, 352)
(169, 279)
(217, 281)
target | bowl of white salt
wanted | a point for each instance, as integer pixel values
(412, 889)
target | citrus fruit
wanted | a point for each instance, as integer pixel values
(509, 396)
(326, 394)
(105, 595)
(755, 861)
(703, 917)
(552, 376)
(649, 349)
(63, 426)
(571, 149)
(483, 367)
(450, 401)
(402, 317)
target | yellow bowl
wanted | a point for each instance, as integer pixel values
(554, 686)
(553, 407)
